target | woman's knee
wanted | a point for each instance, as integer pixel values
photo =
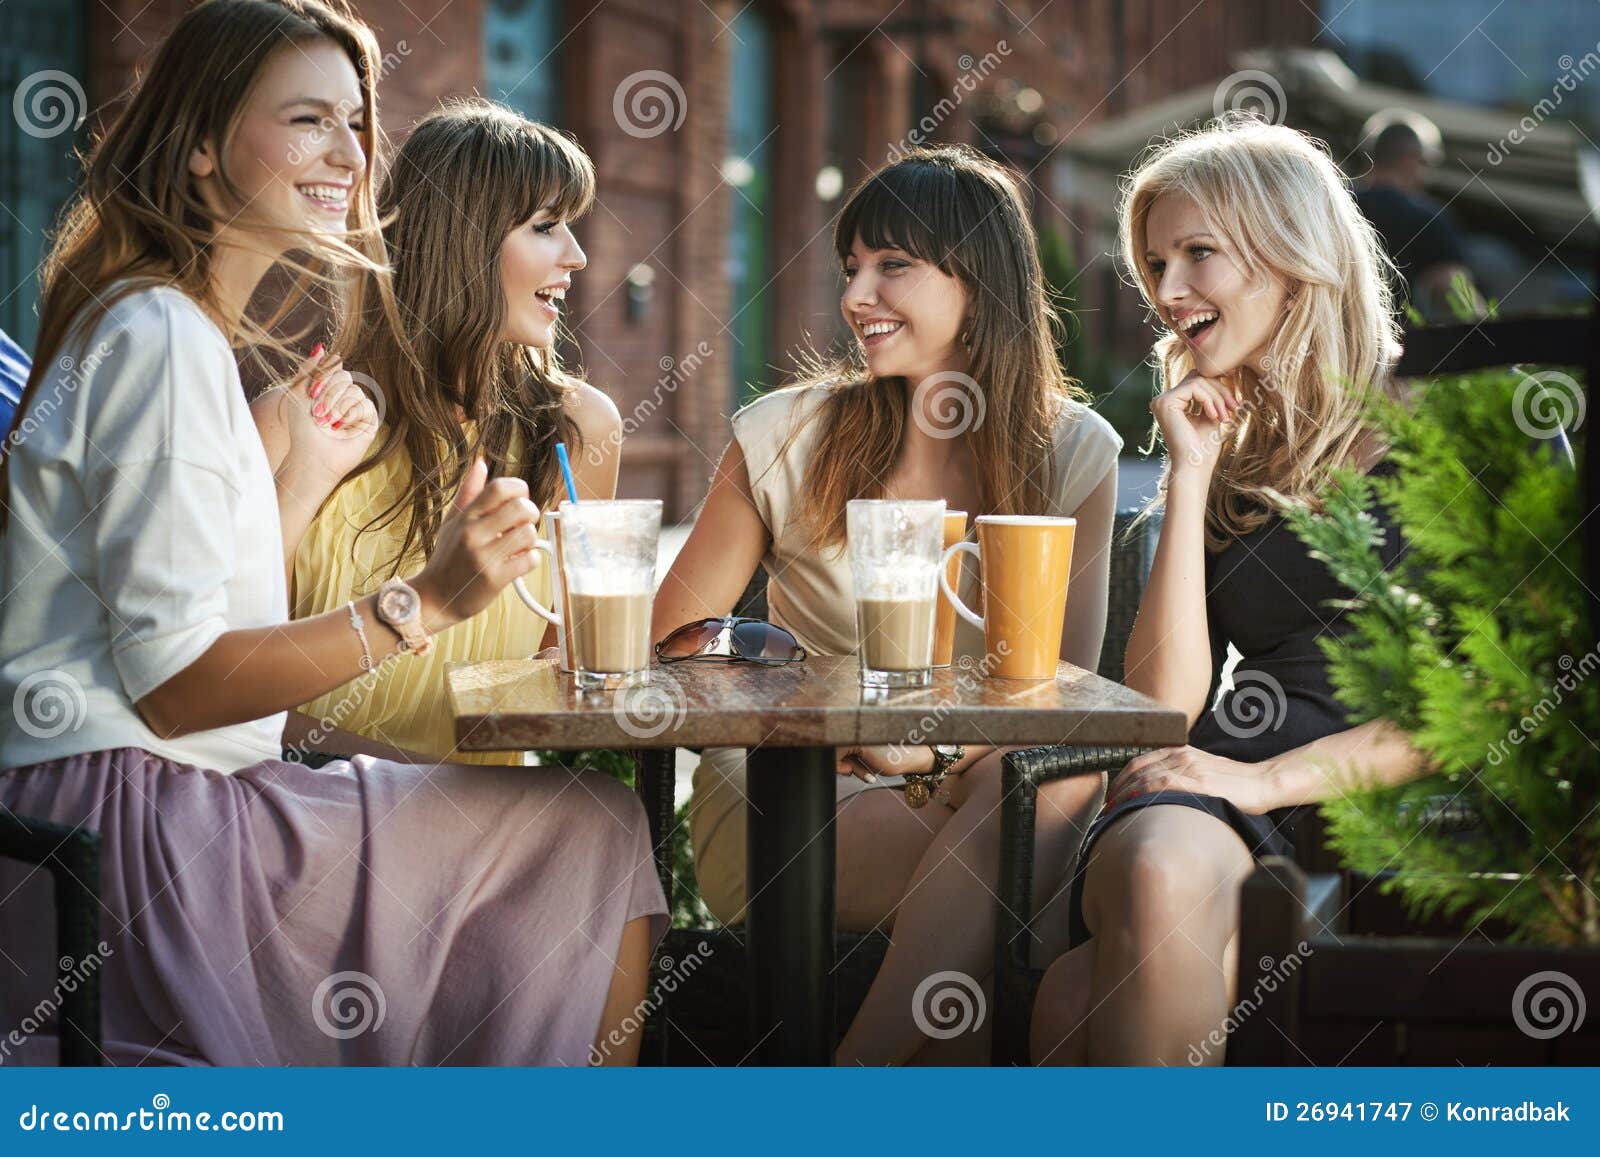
(1149, 875)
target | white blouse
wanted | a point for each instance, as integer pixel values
(143, 525)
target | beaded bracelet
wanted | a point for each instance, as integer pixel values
(360, 628)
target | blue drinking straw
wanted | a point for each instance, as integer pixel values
(566, 472)
(572, 496)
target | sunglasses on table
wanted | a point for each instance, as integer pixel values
(731, 637)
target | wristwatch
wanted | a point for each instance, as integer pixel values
(920, 785)
(400, 607)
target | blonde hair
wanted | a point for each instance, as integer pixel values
(1285, 208)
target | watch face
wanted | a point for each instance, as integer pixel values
(397, 604)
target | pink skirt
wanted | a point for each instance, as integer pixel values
(364, 913)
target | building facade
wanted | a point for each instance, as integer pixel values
(726, 134)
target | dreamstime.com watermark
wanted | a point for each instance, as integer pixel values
(1548, 1004)
(969, 681)
(70, 974)
(674, 372)
(49, 103)
(1273, 974)
(948, 1004)
(1574, 73)
(347, 1004)
(650, 709)
(160, 1117)
(676, 972)
(67, 382)
(1535, 717)
(301, 151)
(973, 73)
(648, 103)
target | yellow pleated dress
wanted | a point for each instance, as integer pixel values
(406, 705)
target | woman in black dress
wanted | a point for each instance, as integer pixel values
(1247, 244)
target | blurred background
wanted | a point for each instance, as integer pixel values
(726, 134)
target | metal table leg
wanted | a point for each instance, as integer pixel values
(790, 922)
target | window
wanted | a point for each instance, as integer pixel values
(747, 170)
(521, 67)
(43, 68)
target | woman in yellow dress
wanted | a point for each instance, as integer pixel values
(478, 207)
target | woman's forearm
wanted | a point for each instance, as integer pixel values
(250, 674)
(1169, 648)
(1376, 754)
(301, 493)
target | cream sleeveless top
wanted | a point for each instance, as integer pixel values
(406, 704)
(809, 588)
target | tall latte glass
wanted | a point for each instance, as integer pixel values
(607, 561)
(894, 562)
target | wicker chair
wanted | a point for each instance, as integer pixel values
(72, 857)
(1022, 771)
(860, 955)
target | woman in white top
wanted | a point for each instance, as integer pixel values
(953, 391)
(478, 915)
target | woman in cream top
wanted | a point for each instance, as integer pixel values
(809, 590)
(810, 593)
(953, 391)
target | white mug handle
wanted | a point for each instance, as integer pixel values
(534, 604)
(944, 582)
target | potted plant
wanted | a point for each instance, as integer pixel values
(1479, 645)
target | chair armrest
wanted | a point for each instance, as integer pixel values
(72, 856)
(1036, 765)
(655, 779)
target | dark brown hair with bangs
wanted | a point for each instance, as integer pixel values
(965, 214)
(467, 175)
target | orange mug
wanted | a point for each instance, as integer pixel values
(944, 627)
(1025, 562)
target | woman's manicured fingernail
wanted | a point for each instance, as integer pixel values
(871, 778)
(316, 387)
(338, 422)
(316, 351)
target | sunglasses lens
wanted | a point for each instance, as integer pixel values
(690, 639)
(764, 641)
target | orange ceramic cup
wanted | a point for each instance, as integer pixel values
(1025, 562)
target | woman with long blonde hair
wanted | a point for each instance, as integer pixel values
(478, 206)
(1248, 247)
(951, 389)
(250, 903)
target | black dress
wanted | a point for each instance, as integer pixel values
(1267, 596)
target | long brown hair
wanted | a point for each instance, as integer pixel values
(466, 176)
(1277, 197)
(965, 214)
(138, 218)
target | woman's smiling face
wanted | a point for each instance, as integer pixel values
(1225, 316)
(537, 262)
(907, 313)
(296, 153)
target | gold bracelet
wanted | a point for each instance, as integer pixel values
(360, 628)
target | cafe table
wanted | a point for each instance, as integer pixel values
(791, 718)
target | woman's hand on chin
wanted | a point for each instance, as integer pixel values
(1248, 786)
(1195, 416)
